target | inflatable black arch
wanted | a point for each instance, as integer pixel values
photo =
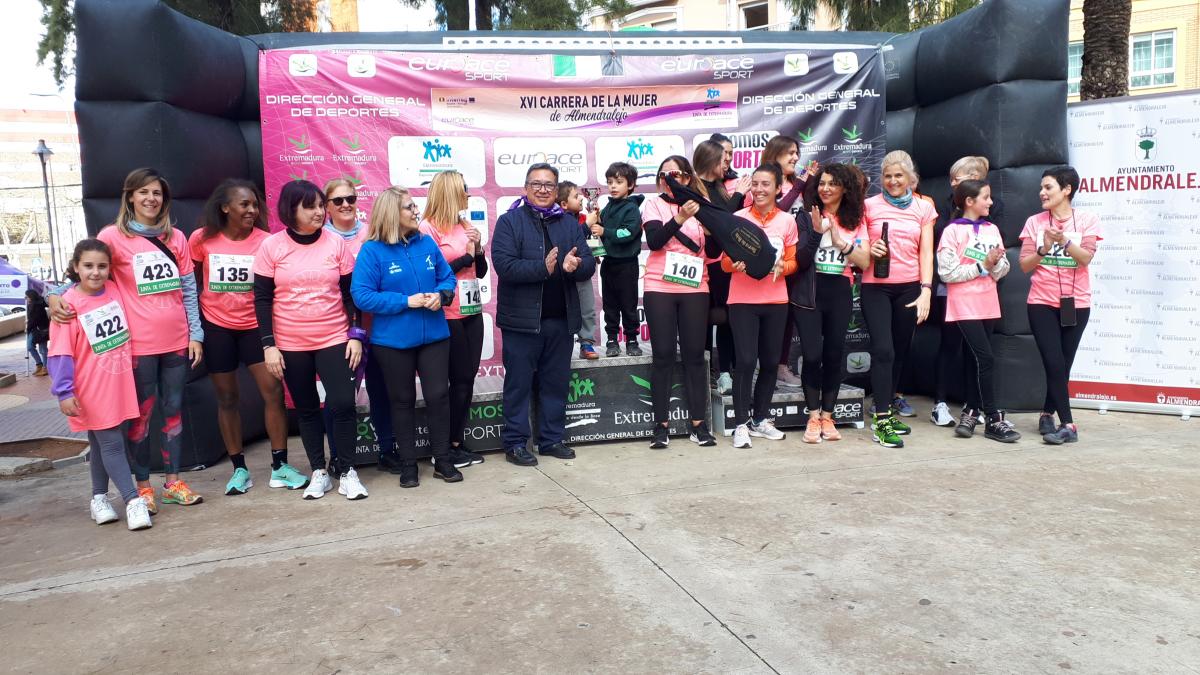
(156, 88)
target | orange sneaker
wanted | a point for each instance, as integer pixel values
(828, 431)
(147, 493)
(179, 493)
(812, 432)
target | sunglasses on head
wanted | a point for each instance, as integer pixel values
(338, 201)
(674, 173)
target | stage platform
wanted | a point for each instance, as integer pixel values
(789, 411)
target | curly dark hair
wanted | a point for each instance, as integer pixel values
(850, 211)
(212, 218)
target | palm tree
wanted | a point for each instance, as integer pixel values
(891, 16)
(1105, 49)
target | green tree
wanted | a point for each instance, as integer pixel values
(1105, 49)
(891, 16)
(241, 17)
(520, 14)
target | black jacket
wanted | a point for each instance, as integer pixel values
(36, 317)
(802, 285)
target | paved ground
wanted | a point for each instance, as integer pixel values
(946, 556)
(27, 409)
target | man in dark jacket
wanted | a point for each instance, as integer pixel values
(538, 253)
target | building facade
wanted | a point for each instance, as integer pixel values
(696, 15)
(1164, 47)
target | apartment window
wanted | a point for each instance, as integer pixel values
(754, 16)
(1152, 59)
(1074, 67)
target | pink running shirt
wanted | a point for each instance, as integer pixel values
(1058, 274)
(977, 298)
(682, 259)
(453, 245)
(157, 320)
(904, 237)
(227, 298)
(828, 258)
(308, 312)
(746, 290)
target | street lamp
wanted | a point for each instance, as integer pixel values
(43, 154)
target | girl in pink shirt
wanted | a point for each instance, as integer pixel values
(152, 265)
(309, 327)
(91, 369)
(970, 262)
(758, 311)
(461, 246)
(232, 229)
(1057, 246)
(893, 306)
(675, 299)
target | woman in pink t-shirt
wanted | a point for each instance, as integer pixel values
(970, 262)
(152, 265)
(461, 245)
(675, 297)
(232, 229)
(821, 296)
(1057, 246)
(91, 369)
(758, 312)
(893, 306)
(309, 326)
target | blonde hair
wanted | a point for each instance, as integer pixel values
(136, 180)
(336, 183)
(970, 164)
(385, 216)
(901, 159)
(447, 196)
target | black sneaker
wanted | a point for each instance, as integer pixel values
(408, 475)
(1066, 433)
(463, 457)
(966, 424)
(389, 461)
(612, 349)
(632, 348)
(701, 436)
(661, 438)
(447, 471)
(520, 455)
(1000, 429)
(1045, 424)
(557, 450)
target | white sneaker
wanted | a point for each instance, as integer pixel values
(318, 485)
(741, 436)
(137, 514)
(940, 415)
(350, 486)
(724, 384)
(766, 429)
(787, 378)
(102, 510)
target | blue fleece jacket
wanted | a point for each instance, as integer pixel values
(385, 275)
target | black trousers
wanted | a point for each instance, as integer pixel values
(823, 340)
(757, 335)
(682, 317)
(949, 347)
(300, 373)
(619, 296)
(542, 359)
(1057, 345)
(891, 327)
(400, 368)
(979, 362)
(718, 296)
(466, 348)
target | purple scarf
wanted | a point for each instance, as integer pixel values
(975, 224)
(546, 211)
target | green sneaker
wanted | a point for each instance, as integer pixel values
(884, 433)
(286, 476)
(898, 426)
(239, 482)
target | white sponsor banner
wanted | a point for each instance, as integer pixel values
(645, 153)
(13, 286)
(514, 156)
(413, 161)
(1141, 174)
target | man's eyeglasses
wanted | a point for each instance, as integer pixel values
(537, 186)
(676, 174)
(337, 201)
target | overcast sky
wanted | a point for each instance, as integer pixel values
(23, 79)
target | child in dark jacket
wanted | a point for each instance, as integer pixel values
(620, 229)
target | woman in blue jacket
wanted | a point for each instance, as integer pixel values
(402, 279)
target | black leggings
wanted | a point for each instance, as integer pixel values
(682, 316)
(757, 335)
(466, 347)
(1057, 345)
(979, 363)
(619, 297)
(400, 368)
(300, 373)
(823, 339)
(718, 295)
(949, 347)
(891, 327)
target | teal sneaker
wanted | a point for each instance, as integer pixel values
(239, 482)
(286, 476)
(883, 432)
(899, 427)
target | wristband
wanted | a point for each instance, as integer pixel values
(357, 334)
(849, 249)
(926, 286)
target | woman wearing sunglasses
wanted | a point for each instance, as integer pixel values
(675, 299)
